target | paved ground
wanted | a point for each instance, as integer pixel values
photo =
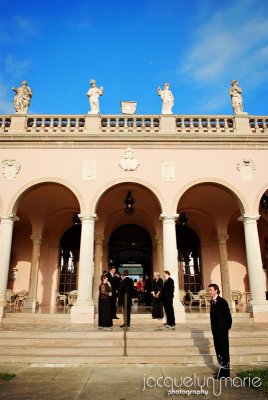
(118, 382)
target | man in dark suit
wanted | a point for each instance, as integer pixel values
(114, 282)
(167, 299)
(221, 322)
(126, 287)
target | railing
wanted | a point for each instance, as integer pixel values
(258, 124)
(204, 124)
(5, 122)
(210, 125)
(55, 124)
(125, 124)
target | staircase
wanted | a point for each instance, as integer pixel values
(51, 339)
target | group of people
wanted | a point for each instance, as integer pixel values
(115, 287)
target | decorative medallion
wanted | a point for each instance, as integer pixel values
(168, 171)
(246, 168)
(10, 168)
(89, 170)
(128, 161)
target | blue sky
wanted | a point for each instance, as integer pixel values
(131, 48)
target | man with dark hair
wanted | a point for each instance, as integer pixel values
(114, 282)
(126, 287)
(221, 322)
(167, 299)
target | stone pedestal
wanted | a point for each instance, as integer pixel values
(167, 124)
(242, 123)
(18, 123)
(93, 123)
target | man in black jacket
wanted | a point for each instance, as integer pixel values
(167, 299)
(221, 322)
(126, 287)
(114, 281)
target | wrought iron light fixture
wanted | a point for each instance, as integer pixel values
(76, 219)
(183, 219)
(264, 202)
(129, 202)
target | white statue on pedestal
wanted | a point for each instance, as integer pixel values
(22, 98)
(236, 97)
(93, 96)
(167, 99)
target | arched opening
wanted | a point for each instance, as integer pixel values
(188, 245)
(130, 247)
(69, 259)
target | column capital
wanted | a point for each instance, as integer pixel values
(169, 217)
(36, 238)
(8, 219)
(86, 218)
(222, 237)
(248, 219)
(99, 239)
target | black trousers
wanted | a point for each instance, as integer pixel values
(221, 344)
(113, 305)
(169, 310)
(129, 303)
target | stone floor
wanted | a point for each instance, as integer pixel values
(119, 382)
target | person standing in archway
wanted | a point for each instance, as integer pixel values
(126, 287)
(167, 299)
(114, 281)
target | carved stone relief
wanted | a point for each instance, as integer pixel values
(168, 171)
(10, 169)
(128, 161)
(89, 170)
(246, 168)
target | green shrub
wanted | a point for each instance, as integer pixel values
(260, 373)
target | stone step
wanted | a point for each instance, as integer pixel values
(65, 318)
(132, 342)
(201, 360)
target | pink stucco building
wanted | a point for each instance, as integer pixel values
(199, 188)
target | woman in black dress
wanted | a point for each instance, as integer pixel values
(105, 309)
(157, 309)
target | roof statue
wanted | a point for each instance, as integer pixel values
(167, 99)
(236, 97)
(22, 98)
(93, 95)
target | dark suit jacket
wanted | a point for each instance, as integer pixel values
(126, 286)
(168, 290)
(114, 281)
(220, 316)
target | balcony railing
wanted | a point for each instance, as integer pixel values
(176, 125)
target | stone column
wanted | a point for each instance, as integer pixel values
(83, 310)
(170, 254)
(32, 302)
(6, 231)
(159, 251)
(258, 305)
(225, 279)
(98, 267)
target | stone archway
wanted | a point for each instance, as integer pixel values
(130, 247)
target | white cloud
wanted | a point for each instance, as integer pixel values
(229, 45)
(6, 106)
(15, 66)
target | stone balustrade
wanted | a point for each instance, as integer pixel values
(258, 124)
(134, 124)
